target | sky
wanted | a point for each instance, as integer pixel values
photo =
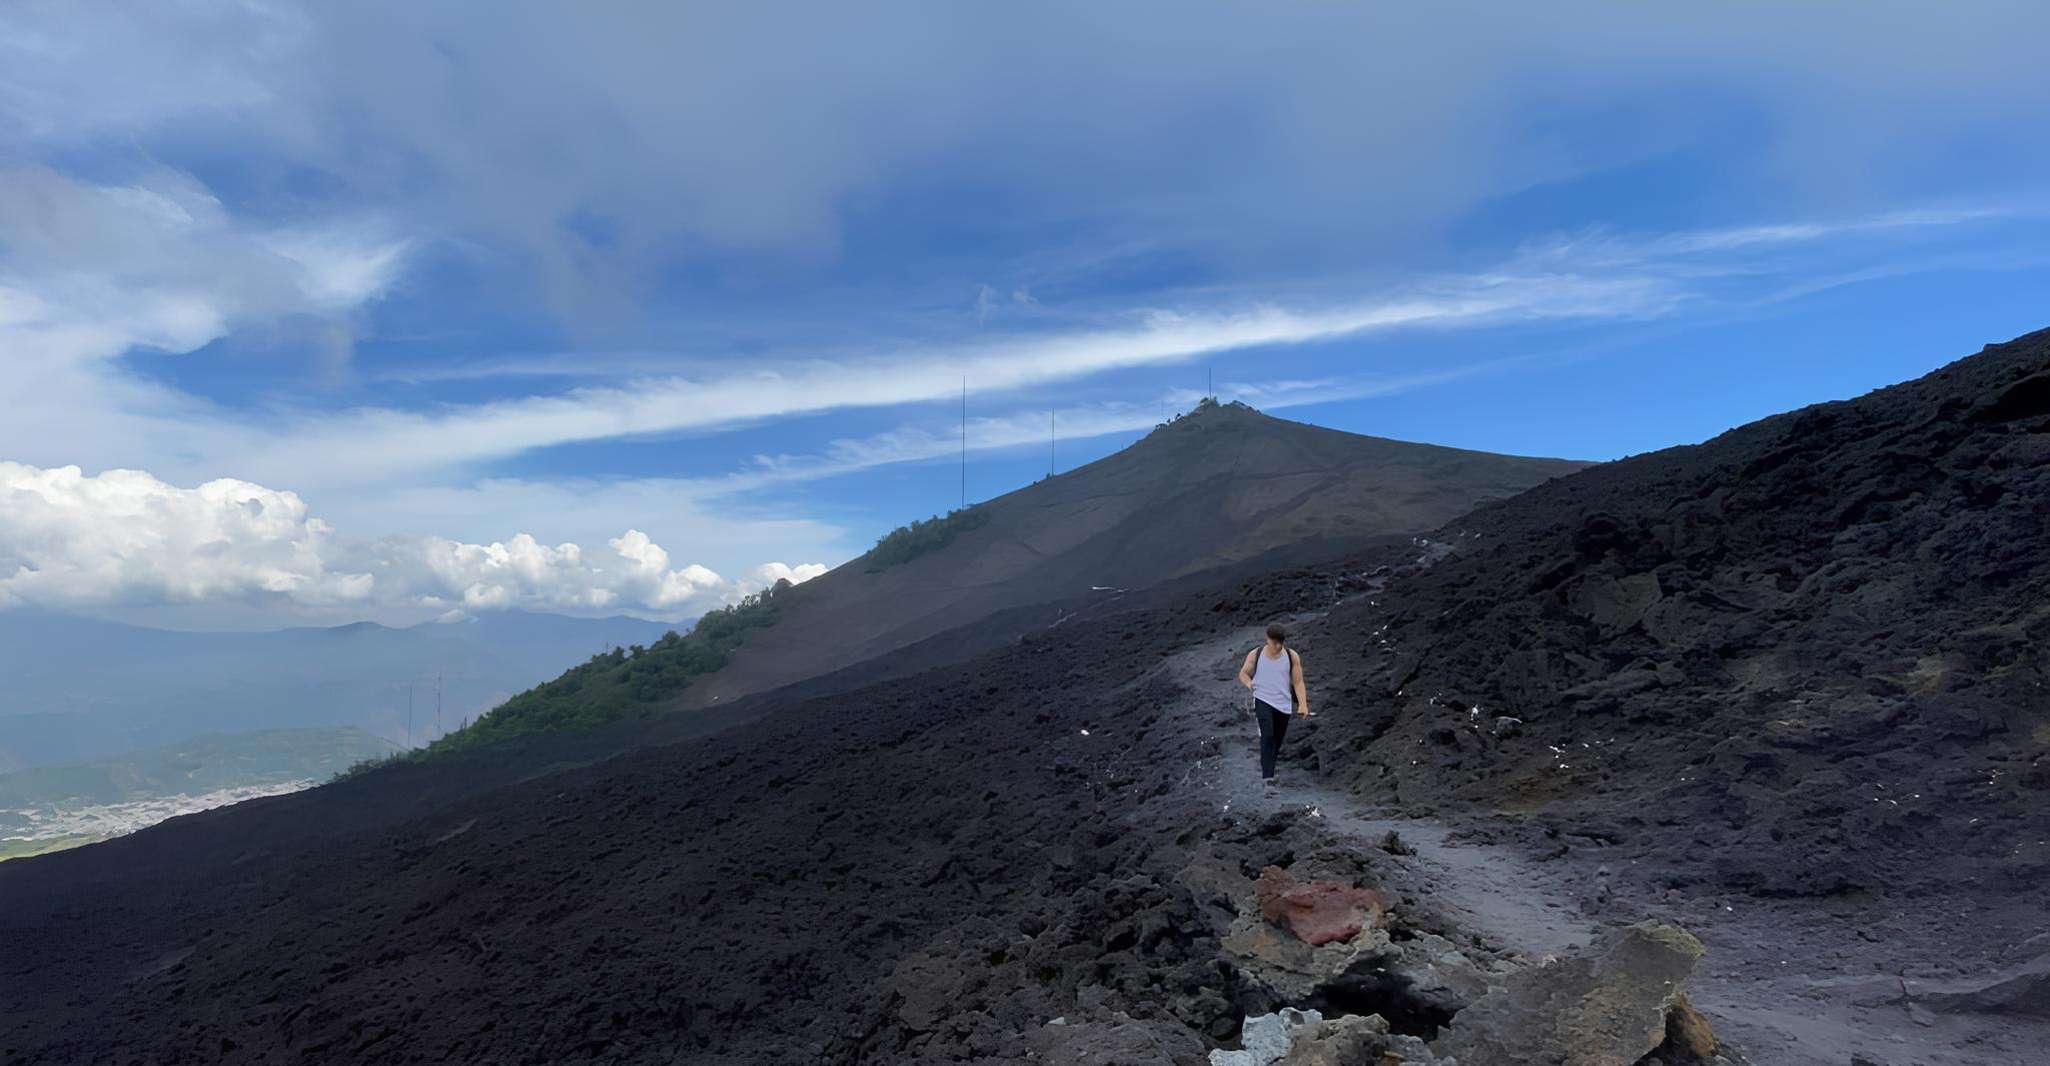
(312, 313)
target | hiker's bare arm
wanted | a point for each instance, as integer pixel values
(1302, 695)
(1246, 669)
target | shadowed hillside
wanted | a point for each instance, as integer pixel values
(1806, 657)
(1217, 486)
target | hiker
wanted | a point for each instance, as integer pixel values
(1274, 673)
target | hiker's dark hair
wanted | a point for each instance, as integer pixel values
(1277, 634)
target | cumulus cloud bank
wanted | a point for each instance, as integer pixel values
(69, 540)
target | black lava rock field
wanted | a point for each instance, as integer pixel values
(1808, 657)
(846, 880)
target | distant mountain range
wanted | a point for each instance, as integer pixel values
(78, 690)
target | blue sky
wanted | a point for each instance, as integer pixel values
(366, 310)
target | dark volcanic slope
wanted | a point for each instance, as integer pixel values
(1222, 484)
(1807, 656)
(925, 870)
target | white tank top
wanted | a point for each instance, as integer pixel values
(1271, 682)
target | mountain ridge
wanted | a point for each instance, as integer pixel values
(1218, 485)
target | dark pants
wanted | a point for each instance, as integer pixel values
(1273, 727)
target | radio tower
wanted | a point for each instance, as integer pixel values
(964, 441)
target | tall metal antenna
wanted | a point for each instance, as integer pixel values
(964, 441)
(1210, 382)
(437, 705)
(1049, 442)
(409, 714)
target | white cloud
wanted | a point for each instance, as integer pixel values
(1586, 279)
(125, 539)
(91, 270)
(579, 155)
(68, 540)
(376, 445)
(770, 573)
(663, 119)
(1072, 422)
(633, 573)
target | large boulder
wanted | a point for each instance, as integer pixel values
(1437, 976)
(1608, 1006)
(1265, 1039)
(1356, 1040)
(1294, 937)
(1290, 969)
(1320, 912)
(928, 989)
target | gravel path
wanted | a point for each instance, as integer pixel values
(1778, 981)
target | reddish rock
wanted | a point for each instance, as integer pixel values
(1319, 912)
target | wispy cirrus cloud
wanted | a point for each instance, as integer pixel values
(1032, 428)
(379, 443)
(91, 273)
(1587, 278)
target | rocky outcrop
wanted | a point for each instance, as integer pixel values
(1290, 969)
(1268, 1038)
(1742, 637)
(1291, 1037)
(1356, 1039)
(1609, 1006)
(1619, 1003)
(1435, 976)
(1320, 912)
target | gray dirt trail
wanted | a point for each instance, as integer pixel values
(1773, 982)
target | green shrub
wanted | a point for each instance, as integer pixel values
(905, 543)
(613, 684)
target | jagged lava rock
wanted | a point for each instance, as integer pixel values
(1357, 1040)
(1814, 641)
(1605, 1007)
(1266, 1038)
(1320, 912)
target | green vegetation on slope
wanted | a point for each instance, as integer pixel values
(612, 685)
(905, 543)
(13, 848)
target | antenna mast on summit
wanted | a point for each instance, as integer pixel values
(1049, 442)
(964, 441)
(1210, 382)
